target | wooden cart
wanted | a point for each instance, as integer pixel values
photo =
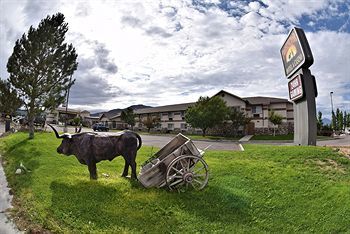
(178, 165)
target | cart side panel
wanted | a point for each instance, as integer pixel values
(172, 145)
(155, 175)
(191, 149)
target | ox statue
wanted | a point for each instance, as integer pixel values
(90, 148)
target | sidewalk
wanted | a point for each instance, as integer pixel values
(246, 138)
(6, 225)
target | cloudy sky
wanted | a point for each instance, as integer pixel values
(166, 52)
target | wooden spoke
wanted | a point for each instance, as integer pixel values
(181, 173)
(176, 182)
(188, 172)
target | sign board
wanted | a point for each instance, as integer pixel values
(6, 116)
(296, 52)
(295, 87)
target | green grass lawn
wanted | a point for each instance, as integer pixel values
(288, 137)
(275, 189)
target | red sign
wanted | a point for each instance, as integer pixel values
(295, 87)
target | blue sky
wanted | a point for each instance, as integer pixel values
(166, 52)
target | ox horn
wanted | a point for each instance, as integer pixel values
(56, 133)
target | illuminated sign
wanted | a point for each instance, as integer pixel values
(6, 116)
(296, 52)
(295, 87)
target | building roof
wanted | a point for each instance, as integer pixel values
(92, 117)
(168, 108)
(225, 92)
(116, 116)
(264, 100)
(69, 110)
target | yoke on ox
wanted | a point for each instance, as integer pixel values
(91, 148)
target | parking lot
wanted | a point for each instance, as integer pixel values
(160, 141)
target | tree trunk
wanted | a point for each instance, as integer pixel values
(274, 131)
(31, 127)
(31, 122)
(204, 130)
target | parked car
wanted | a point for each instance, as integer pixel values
(100, 127)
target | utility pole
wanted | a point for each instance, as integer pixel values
(333, 115)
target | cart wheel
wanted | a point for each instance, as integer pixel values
(188, 172)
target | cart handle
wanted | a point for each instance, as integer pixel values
(207, 147)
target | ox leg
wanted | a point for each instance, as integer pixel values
(126, 168)
(92, 170)
(133, 169)
(132, 163)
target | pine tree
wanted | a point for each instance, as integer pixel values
(334, 121)
(347, 120)
(9, 101)
(238, 119)
(319, 121)
(128, 116)
(41, 65)
(337, 120)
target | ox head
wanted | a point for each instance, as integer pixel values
(66, 144)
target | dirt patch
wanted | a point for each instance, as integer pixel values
(19, 216)
(330, 166)
(343, 150)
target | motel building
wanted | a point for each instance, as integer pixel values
(172, 117)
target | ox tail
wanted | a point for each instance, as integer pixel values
(139, 139)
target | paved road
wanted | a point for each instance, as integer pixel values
(161, 141)
(344, 141)
(2, 127)
(6, 226)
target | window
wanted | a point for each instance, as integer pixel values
(237, 108)
(256, 109)
(183, 126)
(170, 126)
(170, 114)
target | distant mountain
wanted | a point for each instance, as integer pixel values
(115, 112)
(139, 106)
(326, 121)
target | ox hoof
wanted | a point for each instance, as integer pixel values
(93, 177)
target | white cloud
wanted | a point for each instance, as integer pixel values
(255, 6)
(171, 52)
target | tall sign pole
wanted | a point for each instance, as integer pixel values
(297, 58)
